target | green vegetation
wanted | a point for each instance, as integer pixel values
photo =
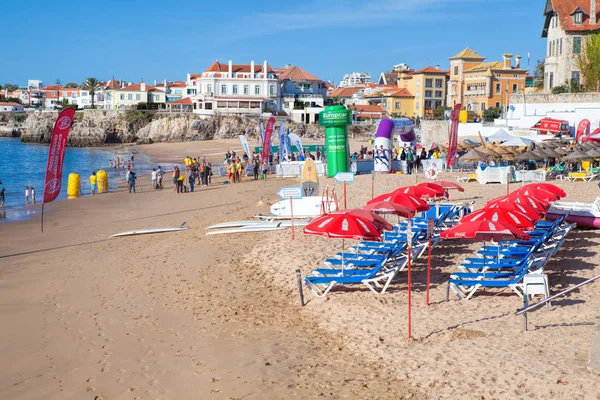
(91, 85)
(538, 75)
(439, 113)
(11, 87)
(148, 106)
(11, 100)
(71, 85)
(589, 62)
(490, 114)
(568, 87)
(138, 118)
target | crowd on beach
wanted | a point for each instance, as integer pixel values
(412, 156)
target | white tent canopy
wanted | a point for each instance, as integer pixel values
(517, 141)
(500, 136)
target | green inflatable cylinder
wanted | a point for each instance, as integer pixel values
(336, 119)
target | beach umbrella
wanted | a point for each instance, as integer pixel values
(508, 217)
(500, 136)
(540, 153)
(531, 202)
(342, 225)
(522, 208)
(550, 188)
(450, 185)
(593, 153)
(421, 192)
(528, 156)
(371, 217)
(577, 156)
(561, 151)
(474, 155)
(543, 196)
(387, 207)
(402, 199)
(551, 153)
(438, 189)
(491, 153)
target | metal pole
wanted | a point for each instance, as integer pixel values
(409, 285)
(428, 270)
(345, 205)
(292, 212)
(42, 216)
(299, 279)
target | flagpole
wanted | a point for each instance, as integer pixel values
(42, 217)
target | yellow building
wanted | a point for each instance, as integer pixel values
(396, 102)
(428, 86)
(478, 85)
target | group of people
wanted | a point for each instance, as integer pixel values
(119, 163)
(196, 174)
(29, 194)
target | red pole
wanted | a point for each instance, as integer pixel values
(345, 206)
(292, 212)
(428, 270)
(372, 187)
(409, 286)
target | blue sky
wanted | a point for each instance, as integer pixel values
(157, 39)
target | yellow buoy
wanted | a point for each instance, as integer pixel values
(73, 186)
(102, 181)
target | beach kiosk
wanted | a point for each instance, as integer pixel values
(336, 119)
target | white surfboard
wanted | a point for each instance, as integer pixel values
(245, 229)
(303, 208)
(258, 223)
(151, 230)
(233, 224)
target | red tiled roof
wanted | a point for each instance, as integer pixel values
(565, 9)
(218, 67)
(52, 87)
(345, 92)
(370, 108)
(296, 73)
(430, 70)
(185, 100)
(11, 104)
(195, 76)
(370, 115)
(136, 87)
(402, 93)
(177, 84)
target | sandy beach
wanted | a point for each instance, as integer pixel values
(185, 316)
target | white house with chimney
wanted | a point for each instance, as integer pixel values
(234, 89)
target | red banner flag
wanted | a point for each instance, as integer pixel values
(453, 142)
(582, 130)
(267, 140)
(56, 154)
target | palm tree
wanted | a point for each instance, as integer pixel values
(91, 85)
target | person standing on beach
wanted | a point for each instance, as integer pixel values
(192, 179)
(131, 180)
(93, 183)
(2, 197)
(204, 173)
(132, 156)
(154, 179)
(175, 178)
(127, 175)
(159, 177)
(180, 182)
(209, 173)
(32, 195)
(26, 194)
(256, 167)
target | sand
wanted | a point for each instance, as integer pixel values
(185, 316)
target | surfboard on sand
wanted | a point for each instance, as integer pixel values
(262, 227)
(310, 179)
(303, 208)
(182, 227)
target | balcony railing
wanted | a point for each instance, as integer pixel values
(475, 92)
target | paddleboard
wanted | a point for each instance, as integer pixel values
(151, 230)
(310, 179)
(245, 229)
(233, 224)
(257, 223)
(303, 208)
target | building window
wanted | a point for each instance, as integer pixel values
(575, 78)
(417, 105)
(223, 89)
(560, 46)
(428, 93)
(209, 88)
(246, 89)
(551, 83)
(122, 97)
(482, 106)
(497, 104)
(272, 90)
(418, 83)
(137, 96)
(577, 45)
(418, 95)
(397, 105)
(428, 83)
(578, 18)
(515, 87)
(438, 94)
(498, 88)
(257, 89)
(439, 83)
(234, 89)
(456, 70)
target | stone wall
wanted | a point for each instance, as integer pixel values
(543, 98)
(434, 131)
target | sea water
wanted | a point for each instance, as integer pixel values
(24, 164)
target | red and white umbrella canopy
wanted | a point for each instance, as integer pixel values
(421, 192)
(402, 199)
(387, 207)
(540, 194)
(531, 202)
(438, 189)
(548, 187)
(484, 231)
(371, 217)
(449, 185)
(505, 217)
(343, 226)
(522, 208)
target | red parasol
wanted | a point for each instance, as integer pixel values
(550, 188)
(540, 194)
(484, 230)
(387, 207)
(371, 217)
(449, 185)
(439, 190)
(506, 217)
(421, 192)
(522, 208)
(531, 202)
(402, 199)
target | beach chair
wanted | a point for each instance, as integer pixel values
(583, 176)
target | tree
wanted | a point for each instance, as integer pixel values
(58, 82)
(588, 62)
(91, 85)
(538, 75)
(490, 114)
(568, 87)
(11, 87)
(439, 112)
(71, 85)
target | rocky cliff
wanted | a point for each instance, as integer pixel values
(100, 127)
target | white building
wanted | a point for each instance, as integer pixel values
(356, 79)
(302, 94)
(565, 28)
(85, 99)
(235, 89)
(11, 107)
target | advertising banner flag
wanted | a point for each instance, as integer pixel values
(267, 140)
(245, 146)
(453, 142)
(296, 142)
(282, 142)
(262, 133)
(582, 130)
(56, 154)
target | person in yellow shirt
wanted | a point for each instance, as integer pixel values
(93, 183)
(180, 182)
(239, 170)
(187, 160)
